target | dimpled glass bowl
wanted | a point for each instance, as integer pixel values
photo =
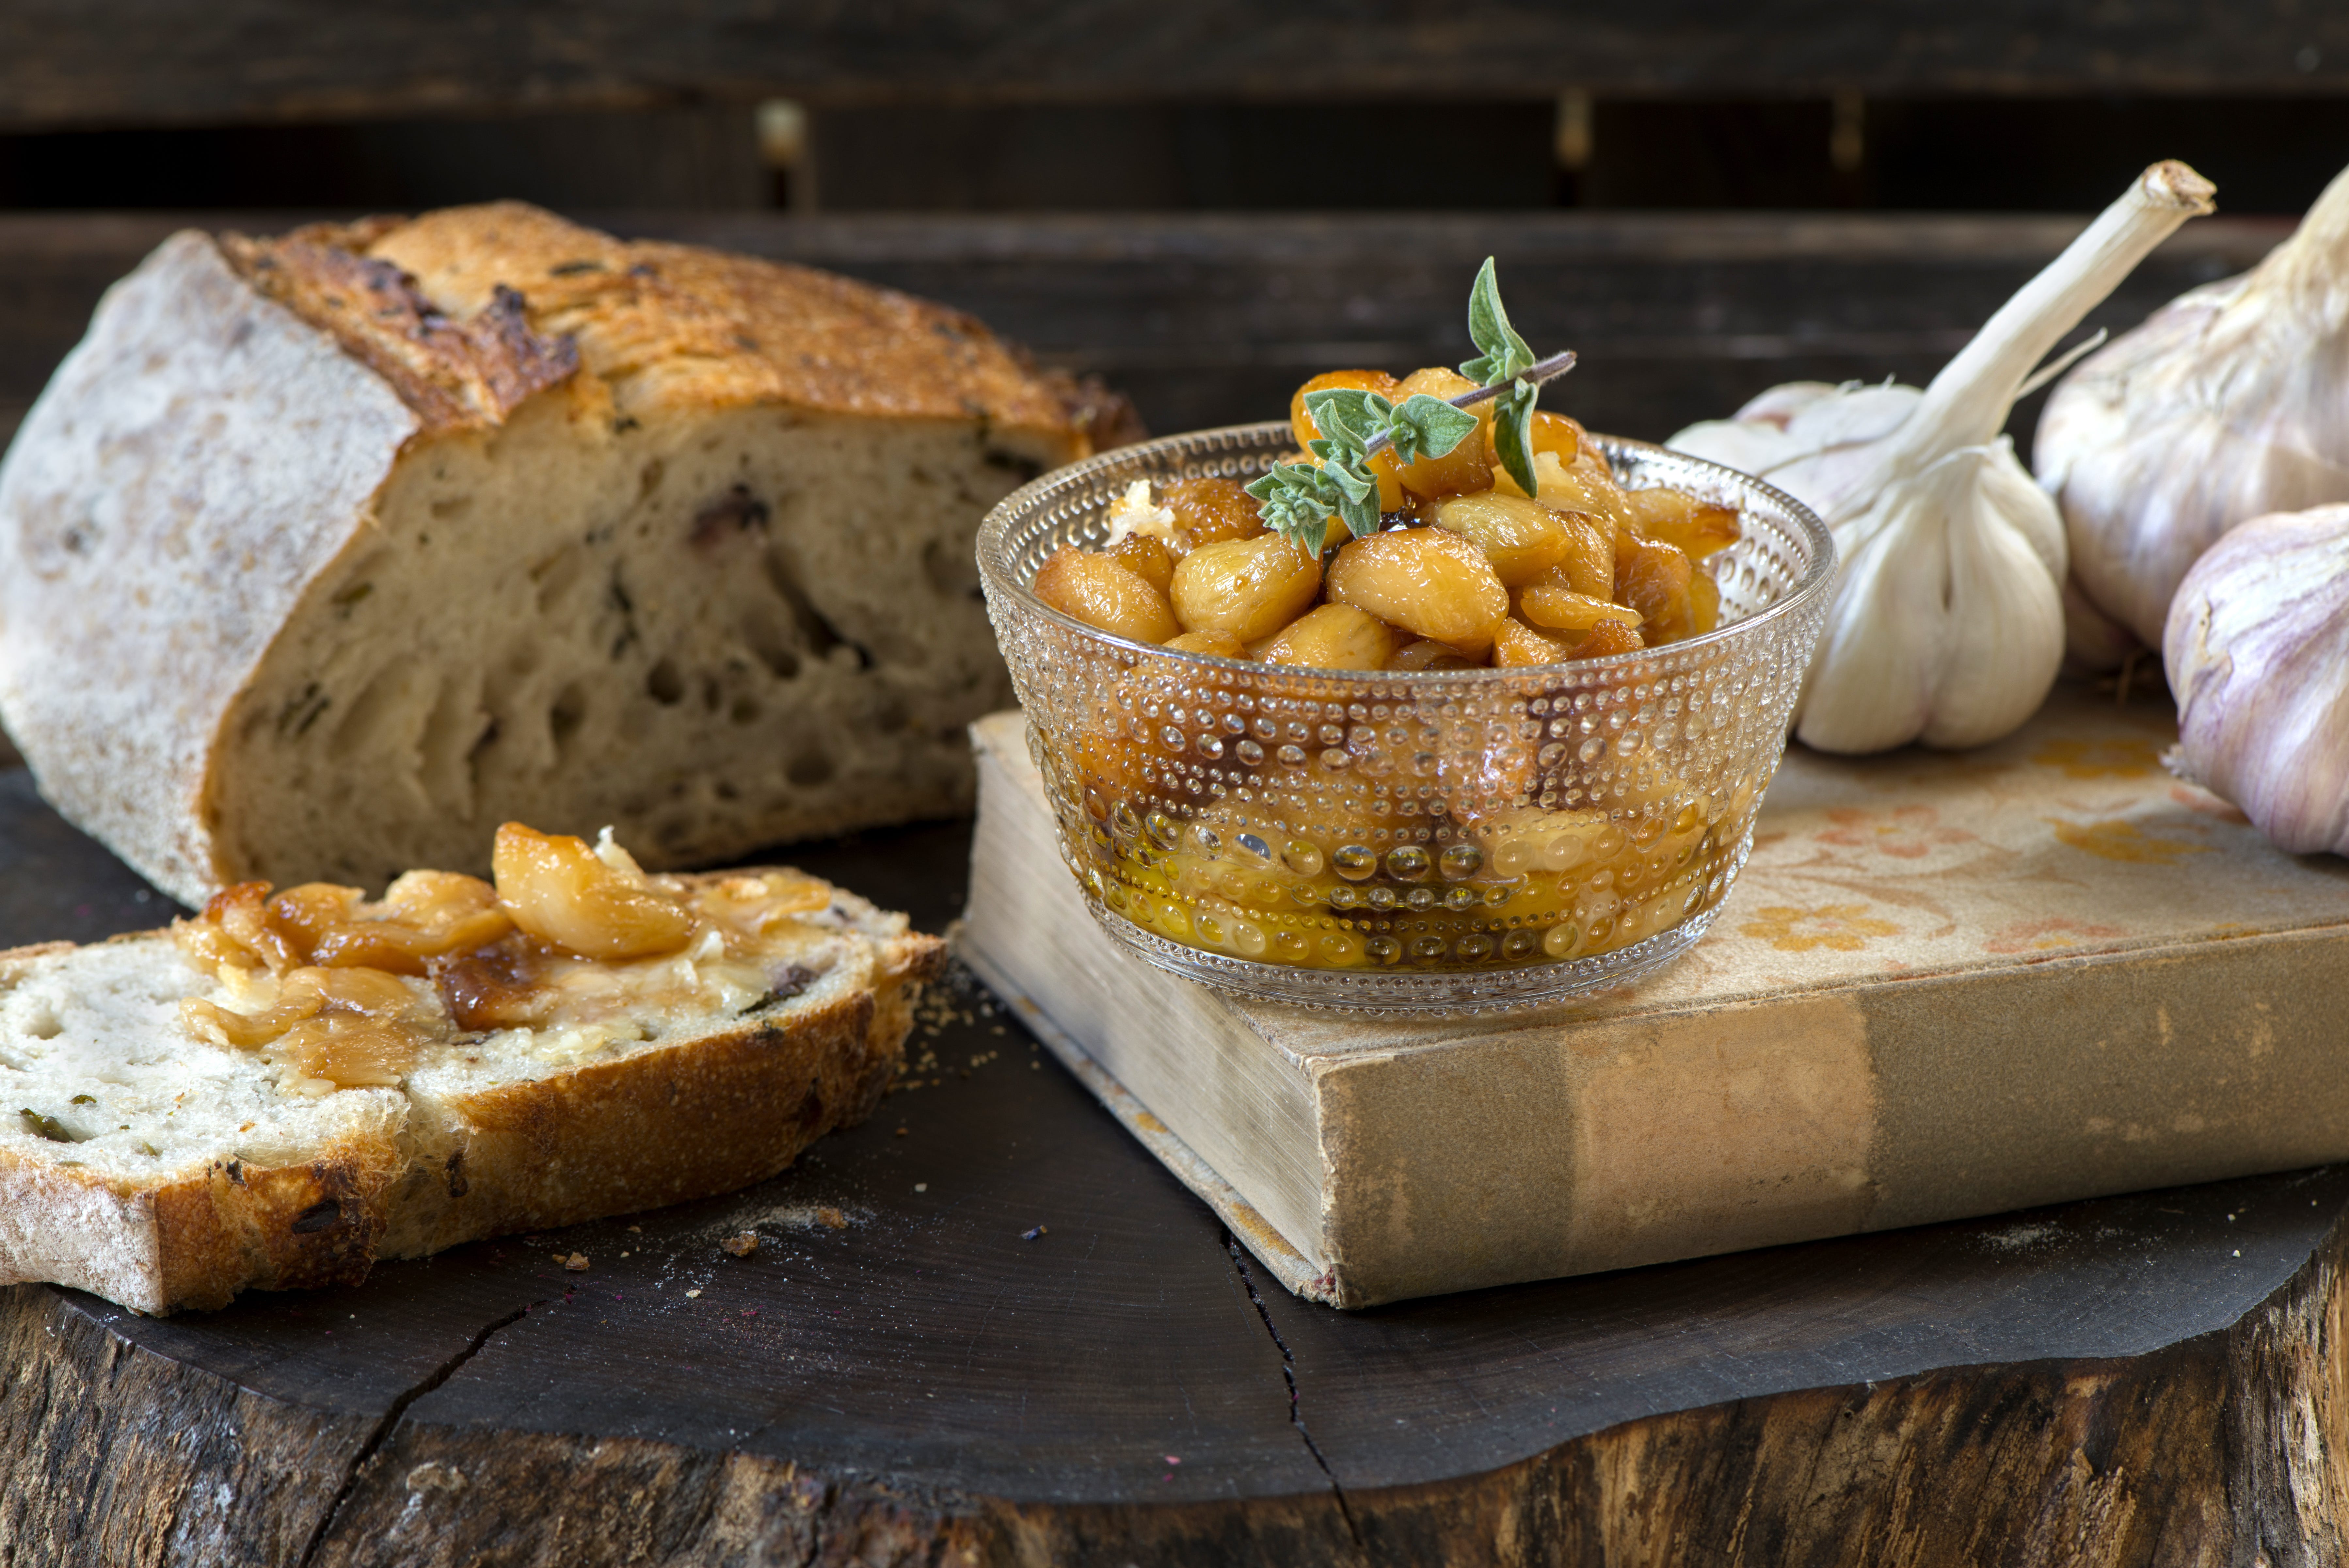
(1439, 840)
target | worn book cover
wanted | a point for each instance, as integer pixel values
(1945, 985)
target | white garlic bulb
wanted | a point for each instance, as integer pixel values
(1948, 622)
(2230, 402)
(2257, 648)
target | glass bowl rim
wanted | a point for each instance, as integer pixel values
(1815, 582)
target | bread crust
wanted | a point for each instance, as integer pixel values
(454, 375)
(241, 1228)
(198, 1241)
(657, 1127)
(662, 326)
(193, 466)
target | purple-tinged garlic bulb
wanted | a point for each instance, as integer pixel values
(2228, 404)
(2257, 648)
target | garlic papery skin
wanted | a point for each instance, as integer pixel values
(2230, 402)
(2093, 643)
(1948, 626)
(2256, 649)
(1947, 623)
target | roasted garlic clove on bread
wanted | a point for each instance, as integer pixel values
(289, 1085)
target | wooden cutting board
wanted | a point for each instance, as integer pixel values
(1008, 1334)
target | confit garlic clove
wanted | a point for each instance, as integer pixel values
(1947, 622)
(2228, 404)
(2257, 650)
(558, 890)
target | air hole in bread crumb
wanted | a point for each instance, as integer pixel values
(379, 708)
(554, 575)
(43, 1024)
(564, 719)
(817, 634)
(664, 685)
(772, 645)
(745, 711)
(732, 515)
(810, 768)
(648, 478)
(453, 507)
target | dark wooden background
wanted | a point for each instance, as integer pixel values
(166, 61)
(1205, 203)
(1206, 319)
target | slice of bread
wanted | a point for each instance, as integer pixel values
(322, 555)
(145, 1159)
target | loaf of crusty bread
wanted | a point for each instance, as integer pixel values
(158, 1158)
(324, 553)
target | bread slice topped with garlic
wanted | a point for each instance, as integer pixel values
(282, 1089)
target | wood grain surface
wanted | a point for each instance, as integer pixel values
(1209, 320)
(1017, 1340)
(141, 62)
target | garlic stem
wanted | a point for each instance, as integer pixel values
(1543, 370)
(2305, 270)
(1969, 401)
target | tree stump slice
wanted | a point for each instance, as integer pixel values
(1007, 1335)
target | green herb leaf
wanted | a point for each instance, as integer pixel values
(1429, 427)
(1359, 498)
(49, 1127)
(1513, 433)
(1355, 420)
(1506, 356)
(1296, 500)
(1348, 417)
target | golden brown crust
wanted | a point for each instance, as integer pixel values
(238, 1228)
(908, 963)
(706, 1117)
(663, 325)
(453, 374)
(197, 1242)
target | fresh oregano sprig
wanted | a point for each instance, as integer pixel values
(1506, 361)
(1297, 500)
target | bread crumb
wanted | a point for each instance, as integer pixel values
(921, 1187)
(832, 1219)
(900, 1132)
(691, 1294)
(576, 1263)
(743, 1243)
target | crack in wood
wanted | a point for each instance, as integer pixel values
(390, 1419)
(1288, 1375)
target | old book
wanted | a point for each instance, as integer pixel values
(1945, 985)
